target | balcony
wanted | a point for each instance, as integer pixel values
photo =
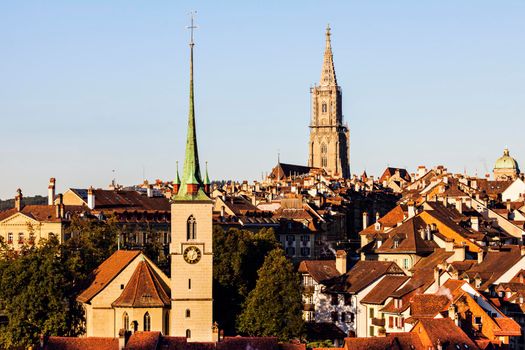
(380, 322)
(309, 307)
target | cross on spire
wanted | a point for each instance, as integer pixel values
(192, 26)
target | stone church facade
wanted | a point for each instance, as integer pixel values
(329, 145)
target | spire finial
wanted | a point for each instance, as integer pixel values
(206, 181)
(328, 72)
(191, 27)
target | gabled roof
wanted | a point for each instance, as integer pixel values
(408, 239)
(364, 273)
(390, 219)
(428, 305)
(41, 213)
(445, 331)
(85, 343)
(106, 272)
(144, 289)
(118, 200)
(320, 270)
(383, 289)
(283, 170)
(389, 172)
(144, 340)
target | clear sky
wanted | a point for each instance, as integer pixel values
(88, 87)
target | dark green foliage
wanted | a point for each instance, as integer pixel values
(38, 293)
(273, 307)
(238, 254)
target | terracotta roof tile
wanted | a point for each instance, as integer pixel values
(383, 289)
(320, 270)
(143, 341)
(363, 274)
(444, 330)
(90, 343)
(428, 305)
(106, 272)
(394, 341)
(144, 289)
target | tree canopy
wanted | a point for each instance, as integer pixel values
(273, 307)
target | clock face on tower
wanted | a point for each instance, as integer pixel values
(192, 255)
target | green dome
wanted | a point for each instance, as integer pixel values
(506, 161)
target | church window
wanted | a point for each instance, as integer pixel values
(324, 149)
(125, 321)
(188, 313)
(147, 322)
(188, 334)
(189, 283)
(191, 229)
(324, 162)
(324, 108)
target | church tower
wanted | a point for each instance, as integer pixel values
(329, 145)
(191, 245)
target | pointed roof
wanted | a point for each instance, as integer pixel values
(328, 77)
(191, 174)
(177, 177)
(144, 289)
(106, 272)
(206, 177)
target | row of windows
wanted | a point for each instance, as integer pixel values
(21, 238)
(344, 317)
(305, 251)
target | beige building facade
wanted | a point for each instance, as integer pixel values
(329, 145)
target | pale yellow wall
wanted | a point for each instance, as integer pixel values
(20, 223)
(70, 198)
(156, 318)
(199, 298)
(399, 260)
(100, 316)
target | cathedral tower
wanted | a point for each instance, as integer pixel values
(329, 145)
(191, 246)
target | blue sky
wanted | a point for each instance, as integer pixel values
(88, 87)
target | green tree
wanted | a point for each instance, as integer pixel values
(37, 294)
(238, 254)
(273, 307)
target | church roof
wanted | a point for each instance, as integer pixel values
(106, 272)
(328, 77)
(144, 289)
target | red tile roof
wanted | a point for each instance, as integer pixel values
(445, 331)
(106, 272)
(91, 343)
(364, 273)
(144, 289)
(428, 305)
(394, 341)
(144, 341)
(320, 270)
(383, 289)
(42, 213)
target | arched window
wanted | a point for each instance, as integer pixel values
(324, 163)
(188, 313)
(125, 321)
(135, 326)
(147, 322)
(191, 229)
(324, 108)
(188, 334)
(323, 148)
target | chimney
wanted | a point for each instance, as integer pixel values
(411, 209)
(149, 191)
(365, 220)
(340, 261)
(459, 205)
(437, 276)
(459, 253)
(91, 198)
(18, 200)
(51, 191)
(474, 223)
(480, 256)
(509, 207)
(439, 346)
(222, 211)
(377, 216)
(60, 207)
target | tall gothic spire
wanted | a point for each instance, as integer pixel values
(191, 182)
(328, 73)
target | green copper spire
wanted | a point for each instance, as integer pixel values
(191, 182)
(206, 177)
(177, 178)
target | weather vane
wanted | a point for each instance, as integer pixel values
(191, 27)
